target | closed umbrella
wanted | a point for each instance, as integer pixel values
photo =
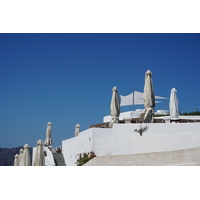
(26, 159)
(39, 155)
(48, 140)
(114, 107)
(77, 130)
(149, 98)
(173, 104)
(16, 161)
(20, 156)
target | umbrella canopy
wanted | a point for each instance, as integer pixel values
(149, 98)
(173, 105)
(114, 107)
(48, 140)
(26, 159)
(39, 156)
(77, 130)
(20, 156)
(16, 161)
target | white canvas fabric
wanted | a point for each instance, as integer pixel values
(48, 140)
(26, 159)
(39, 156)
(16, 161)
(148, 115)
(138, 95)
(20, 156)
(157, 97)
(126, 100)
(77, 130)
(173, 104)
(149, 98)
(136, 98)
(114, 107)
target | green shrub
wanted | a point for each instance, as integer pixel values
(161, 115)
(191, 113)
(85, 157)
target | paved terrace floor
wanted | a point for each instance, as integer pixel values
(184, 157)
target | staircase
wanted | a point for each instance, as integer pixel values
(59, 159)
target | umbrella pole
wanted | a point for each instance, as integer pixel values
(133, 99)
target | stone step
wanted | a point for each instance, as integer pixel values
(59, 159)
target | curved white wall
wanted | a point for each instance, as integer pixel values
(98, 140)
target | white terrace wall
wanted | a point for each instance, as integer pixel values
(122, 140)
(98, 140)
(159, 137)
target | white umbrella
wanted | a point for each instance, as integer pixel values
(77, 130)
(20, 156)
(39, 155)
(173, 104)
(48, 140)
(114, 107)
(149, 98)
(26, 159)
(16, 161)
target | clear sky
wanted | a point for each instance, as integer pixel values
(67, 78)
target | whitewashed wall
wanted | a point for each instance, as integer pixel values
(122, 139)
(159, 137)
(49, 160)
(102, 141)
(98, 140)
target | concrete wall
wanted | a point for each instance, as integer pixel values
(102, 141)
(159, 137)
(185, 157)
(98, 140)
(49, 160)
(122, 140)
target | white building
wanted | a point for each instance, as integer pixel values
(123, 140)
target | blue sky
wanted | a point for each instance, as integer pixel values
(68, 78)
